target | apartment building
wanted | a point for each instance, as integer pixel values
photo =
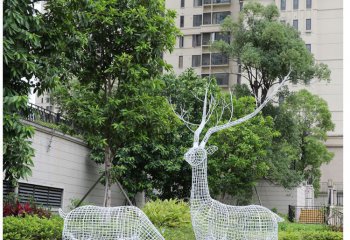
(199, 22)
(320, 23)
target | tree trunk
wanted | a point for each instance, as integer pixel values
(108, 166)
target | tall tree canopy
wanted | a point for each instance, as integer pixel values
(113, 93)
(303, 120)
(268, 49)
(33, 57)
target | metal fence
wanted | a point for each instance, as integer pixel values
(39, 114)
(330, 215)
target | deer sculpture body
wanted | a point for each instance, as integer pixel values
(108, 223)
(210, 218)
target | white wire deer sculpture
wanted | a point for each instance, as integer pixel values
(210, 218)
(108, 223)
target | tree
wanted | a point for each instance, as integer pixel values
(304, 120)
(32, 59)
(113, 89)
(268, 49)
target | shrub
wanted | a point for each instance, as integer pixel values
(168, 213)
(22, 209)
(32, 228)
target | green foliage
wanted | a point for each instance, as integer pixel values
(241, 159)
(32, 59)
(179, 233)
(32, 228)
(168, 213)
(303, 121)
(268, 49)
(18, 153)
(113, 92)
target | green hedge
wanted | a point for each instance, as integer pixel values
(168, 213)
(307, 235)
(32, 228)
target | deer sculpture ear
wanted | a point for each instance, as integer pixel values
(211, 149)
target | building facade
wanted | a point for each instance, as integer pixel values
(320, 24)
(199, 22)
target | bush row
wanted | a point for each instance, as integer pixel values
(32, 228)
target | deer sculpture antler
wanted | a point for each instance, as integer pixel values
(210, 218)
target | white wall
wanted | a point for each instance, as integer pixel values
(62, 161)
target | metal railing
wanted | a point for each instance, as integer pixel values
(329, 215)
(39, 114)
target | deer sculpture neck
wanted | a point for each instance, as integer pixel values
(200, 188)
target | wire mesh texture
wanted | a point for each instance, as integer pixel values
(107, 223)
(214, 220)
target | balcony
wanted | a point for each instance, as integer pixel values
(214, 2)
(214, 59)
(215, 17)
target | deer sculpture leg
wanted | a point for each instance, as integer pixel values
(112, 223)
(210, 218)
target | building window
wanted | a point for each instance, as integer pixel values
(181, 61)
(207, 1)
(196, 40)
(196, 60)
(283, 4)
(47, 100)
(182, 21)
(182, 3)
(295, 24)
(283, 21)
(205, 59)
(222, 78)
(42, 100)
(206, 39)
(308, 4)
(295, 4)
(47, 196)
(206, 18)
(197, 20)
(221, 1)
(205, 75)
(218, 17)
(221, 36)
(308, 46)
(197, 3)
(218, 59)
(181, 42)
(308, 24)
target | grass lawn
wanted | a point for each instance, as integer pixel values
(287, 231)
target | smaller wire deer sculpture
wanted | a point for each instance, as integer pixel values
(210, 218)
(108, 223)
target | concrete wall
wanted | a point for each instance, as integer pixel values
(273, 196)
(62, 161)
